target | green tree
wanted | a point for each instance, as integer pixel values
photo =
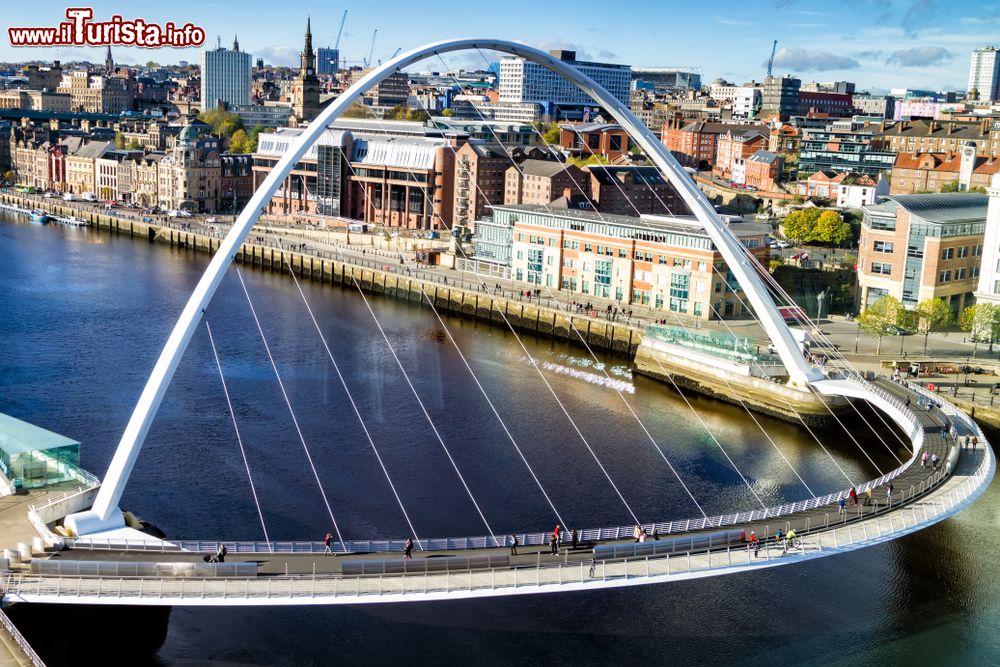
(587, 161)
(932, 315)
(239, 142)
(223, 123)
(447, 113)
(119, 140)
(831, 228)
(952, 186)
(881, 318)
(775, 263)
(800, 225)
(356, 110)
(133, 145)
(982, 322)
(254, 138)
(551, 133)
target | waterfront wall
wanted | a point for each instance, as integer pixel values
(655, 359)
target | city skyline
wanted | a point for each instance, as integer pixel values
(916, 44)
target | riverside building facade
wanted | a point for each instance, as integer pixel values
(658, 262)
(917, 247)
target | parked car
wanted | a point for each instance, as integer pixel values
(783, 244)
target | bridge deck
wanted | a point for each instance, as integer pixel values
(910, 483)
(921, 497)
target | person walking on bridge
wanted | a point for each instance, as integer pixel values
(408, 549)
(854, 496)
(513, 544)
(868, 496)
(327, 551)
(752, 543)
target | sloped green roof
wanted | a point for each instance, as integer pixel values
(18, 436)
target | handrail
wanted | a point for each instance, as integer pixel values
(877, 528)
(542, 538)
(19, 639)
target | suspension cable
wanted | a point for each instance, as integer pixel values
(343, 383)
(565, 411)
(291, 411)
(239, 439)
(416, 395)
(600, 366)
(670, 377)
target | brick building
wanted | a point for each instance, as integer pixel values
(917, 247)
(694, 143)
(733, 146)
(605, 140)
(929, 172)
(933, 136)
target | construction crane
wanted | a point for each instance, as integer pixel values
(770, 61)
(340, 32)
(371, 49)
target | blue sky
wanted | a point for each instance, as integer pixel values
(877, 43)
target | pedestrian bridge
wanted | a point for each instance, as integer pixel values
(297, 573)
(105, 562)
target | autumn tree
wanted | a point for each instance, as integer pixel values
(932, 315)
(881, 318)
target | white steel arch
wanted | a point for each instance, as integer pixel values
(105, 514)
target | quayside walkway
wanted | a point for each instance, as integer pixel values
(152, 573)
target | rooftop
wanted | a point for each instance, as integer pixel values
(18, 436)
(945, 207)
(546, 168)
(653, 223)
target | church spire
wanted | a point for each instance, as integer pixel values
(109, 63)
(236, 42)
(308, 60)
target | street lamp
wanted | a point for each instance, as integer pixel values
(820, 299)
(857, 337)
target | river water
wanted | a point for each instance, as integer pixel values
(83, 315)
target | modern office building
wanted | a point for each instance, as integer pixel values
(525, 81)
(666, 79)
(917, 247)
(984, 75)
(781, 96)
(661, 262)
(225, 76)
(846, 148)
(327, 60)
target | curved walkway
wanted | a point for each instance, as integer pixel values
(309, 578)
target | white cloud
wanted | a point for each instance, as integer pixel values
(278, 55)
(804, 60)
(920, 56)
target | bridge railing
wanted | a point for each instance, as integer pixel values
(542, 538)
(19, 639)
(566, 575)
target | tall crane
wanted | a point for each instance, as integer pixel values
(371, 49)
(340, 32)
(770, 61)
